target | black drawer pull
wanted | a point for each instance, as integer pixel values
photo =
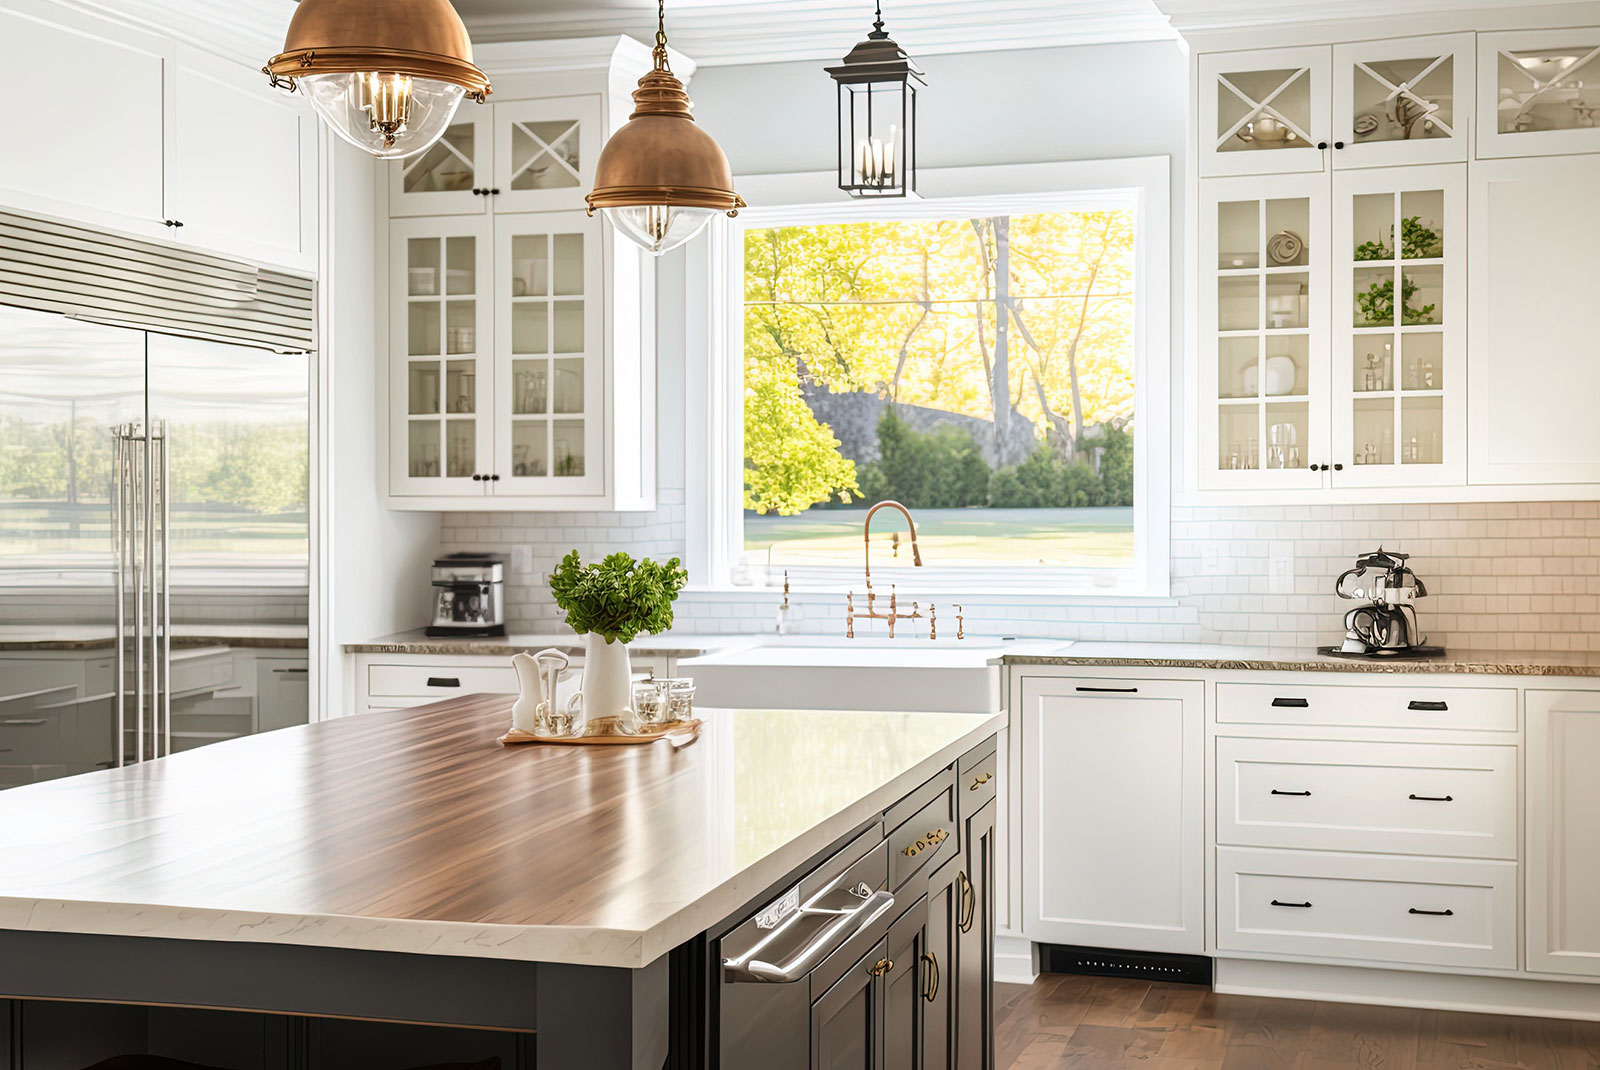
(1110, 690)
(444, 681)
(1305, 794)
(1427, 704)
(1291, 703)
(1298, 906)
(1434, 913)
(1432, 798)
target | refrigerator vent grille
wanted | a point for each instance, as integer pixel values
(53, 266)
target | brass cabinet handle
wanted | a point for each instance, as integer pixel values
(881, 967)
(932, 839)
(980, 781)
(969, 903)
(931, 989)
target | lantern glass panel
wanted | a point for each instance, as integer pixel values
(877, 138)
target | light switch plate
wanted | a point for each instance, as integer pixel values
(522, 560)
(1280, 567)
(1210, 559)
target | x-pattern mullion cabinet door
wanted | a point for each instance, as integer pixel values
(1539, 92)
(1399, 336)
(441, 342)
(1264, 315)
(544, 153)
(447, 177)
(1264, 112)
(1402, 101)
(549, 355)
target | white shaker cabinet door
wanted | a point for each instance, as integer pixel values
(1403, 101)
(1264, 112)
(1563, 828)
(1534, 327)
(1538, 92)
(1112, 825)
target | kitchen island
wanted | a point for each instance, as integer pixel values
(404, 868)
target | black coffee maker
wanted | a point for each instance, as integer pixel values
(1385, 624)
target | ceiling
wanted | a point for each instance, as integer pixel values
(724, 32)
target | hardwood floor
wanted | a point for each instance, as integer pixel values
(1066, 1022)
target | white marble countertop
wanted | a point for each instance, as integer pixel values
(414, 831)
(671, 645)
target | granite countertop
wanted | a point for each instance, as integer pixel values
(94, 636)
(1268, 659)
(415, 642)
(414, 831)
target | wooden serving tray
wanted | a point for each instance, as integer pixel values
(603, 730)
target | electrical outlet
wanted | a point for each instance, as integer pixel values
(1210, 559)
(522, 560)
(1280, 567)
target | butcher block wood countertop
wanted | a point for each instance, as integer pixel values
(414, 831)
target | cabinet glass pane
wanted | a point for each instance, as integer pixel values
(461, 386)
(530, 448)
(1421, 230)
(1373, 366)
(1374, 292)
(1238, 436)
(1288, 427)
(1423, 286)
(422, 332)
(569, 264)
(567, 447)
(461, 333)
(1288, 224)
(423, 390)
(1373, 431)
(461, 257)
(1422, 362)
(1260, 111)
(1239, 234)
(530, 327)
(530, 386)
(1373, 227)
(422, 267)
(1238, 303)
(1403, 99)
(1288, 300)
(569, 327)
(1422, 430)
(544, 155)
(1239, 367)
(461, 437)
(1288, 365)
(1549, 88)
(569, 386)
(445, 167)
(423, 449)
(530, 265)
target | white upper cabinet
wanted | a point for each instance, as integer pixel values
(451, 177)
(1264, 112)
(1401, 102)
(1535, 358)
(85, 135)
(1538, 92)
(544, 153)
(255, 194)
(1399, 349)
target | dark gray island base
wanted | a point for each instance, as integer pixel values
(484, 925)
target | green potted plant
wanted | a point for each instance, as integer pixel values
(610, 603)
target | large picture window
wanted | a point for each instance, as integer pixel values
(979, 365)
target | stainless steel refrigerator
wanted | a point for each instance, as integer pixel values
(154, 531)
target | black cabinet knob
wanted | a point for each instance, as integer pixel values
(493, 192)
(1322, 145)
(1337, 467)
(1338, 144)
(495, 478)
(476, 477)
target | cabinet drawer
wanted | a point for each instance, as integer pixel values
(201, 670)
(441, 681)
(1443, 912)
(1487, 709)
(975, 775)
(1404, 798)
(930, 836)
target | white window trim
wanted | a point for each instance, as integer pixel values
(715, 316)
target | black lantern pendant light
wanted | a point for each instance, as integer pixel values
(877, 117)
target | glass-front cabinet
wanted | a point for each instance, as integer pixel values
(1264, 112)
(1402, 101)
(1264, 332)
(441, 340)
(1399, 245)
(549, 356)
(449, 177)
(1539, 92)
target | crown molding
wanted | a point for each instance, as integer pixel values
(1203, 18)
(250, 31)
(723, 34)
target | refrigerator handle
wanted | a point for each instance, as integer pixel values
(141, 580)
(119, 474)
(149, 554)
(166, 592)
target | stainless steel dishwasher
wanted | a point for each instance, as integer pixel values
(786, 956)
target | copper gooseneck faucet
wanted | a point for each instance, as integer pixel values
(894, 613)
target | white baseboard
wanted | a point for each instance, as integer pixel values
(1016, 960)
(1405, 988)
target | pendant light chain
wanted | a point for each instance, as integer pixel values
(659, 53)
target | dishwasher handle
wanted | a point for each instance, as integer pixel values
(847, 924)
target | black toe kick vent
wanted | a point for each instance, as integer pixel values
(1109, 962)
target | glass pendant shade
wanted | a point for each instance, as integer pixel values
(658, 227)
(385, 77)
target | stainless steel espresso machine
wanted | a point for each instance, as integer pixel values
(469, 596)
(1385, 624)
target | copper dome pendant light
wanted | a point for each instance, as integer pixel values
(385, 76)
(661, 178)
